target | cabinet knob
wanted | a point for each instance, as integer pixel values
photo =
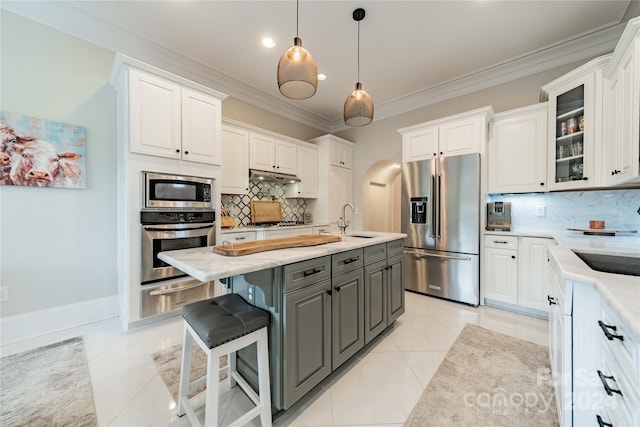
(177, 150)
(615, 172)
(329, 292)
(542, 184)
(435, 154)
(441, 153)
(513, 257)
(584, 178)
(186, 152)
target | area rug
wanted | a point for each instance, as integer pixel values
(47, 386)
(168, 364)
(489, 379)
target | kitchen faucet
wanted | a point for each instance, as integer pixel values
(342, 222)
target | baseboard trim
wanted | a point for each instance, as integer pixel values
(41, 322)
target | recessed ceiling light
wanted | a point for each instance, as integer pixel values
(268, 42)
(322, 76)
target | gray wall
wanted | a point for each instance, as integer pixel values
(58, 246)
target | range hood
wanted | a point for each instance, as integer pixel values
(265, 176)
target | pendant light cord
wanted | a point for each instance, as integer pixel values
(358, 51)
(297, 15)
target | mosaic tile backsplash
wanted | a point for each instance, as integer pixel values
(618, 208)
(240, 205)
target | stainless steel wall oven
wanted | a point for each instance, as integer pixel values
(171, 230)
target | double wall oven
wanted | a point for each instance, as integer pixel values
(177, 213)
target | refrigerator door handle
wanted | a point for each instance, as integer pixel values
(433, 206)
(439, 203)
(423, 255)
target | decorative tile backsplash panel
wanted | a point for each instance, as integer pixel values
(240, 205)
(618, 208)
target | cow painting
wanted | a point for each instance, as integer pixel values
(38, 164)
(41, 153)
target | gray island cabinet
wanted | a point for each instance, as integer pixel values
(325, 306)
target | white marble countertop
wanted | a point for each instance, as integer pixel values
(205, 265)
(621, 292)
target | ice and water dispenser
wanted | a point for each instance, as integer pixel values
(419, 210)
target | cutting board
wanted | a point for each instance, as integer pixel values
(265, 211)
(246, 248)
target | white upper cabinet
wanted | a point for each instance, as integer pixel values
(575, 127)
(268, 153)
(307, 172)
(450, 136)
(517, 154)
(620, 149)
(234, 170)
(341, 154)
(168, 119)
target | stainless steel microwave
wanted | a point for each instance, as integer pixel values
(176, 191)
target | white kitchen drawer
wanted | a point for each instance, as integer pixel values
(626, 350)
(501, 242)
(237, 237)
(622, 409)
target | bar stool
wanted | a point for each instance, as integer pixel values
(224, 325)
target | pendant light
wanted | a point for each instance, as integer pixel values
(358, 108)
(297, 70)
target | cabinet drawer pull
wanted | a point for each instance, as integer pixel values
(312, 272)
(605, 384)
(504, 242)
(350, 260)
(240, 238)
(552, 300)
(601, 422)
(605, 328)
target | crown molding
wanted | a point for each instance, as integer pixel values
(70, 19)
(583, 48)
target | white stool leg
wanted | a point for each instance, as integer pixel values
(185, 369)
(231, 362)
(213, 378)
(264, 386)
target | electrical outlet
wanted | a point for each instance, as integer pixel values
(4, 293)
(540, 211)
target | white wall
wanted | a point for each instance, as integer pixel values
(58, 246)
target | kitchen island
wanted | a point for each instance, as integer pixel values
(327, 302)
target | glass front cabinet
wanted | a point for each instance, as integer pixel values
(575, 127)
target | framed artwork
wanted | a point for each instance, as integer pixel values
(41, 153)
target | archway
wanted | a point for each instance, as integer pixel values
(381, 197)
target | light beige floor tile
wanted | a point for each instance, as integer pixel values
(424, 364)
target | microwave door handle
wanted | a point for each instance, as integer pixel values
(176, 227)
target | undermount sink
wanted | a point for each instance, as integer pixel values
(363, 235)
(617, 264)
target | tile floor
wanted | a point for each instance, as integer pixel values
(377, 387)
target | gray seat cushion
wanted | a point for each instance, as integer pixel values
(224, 318)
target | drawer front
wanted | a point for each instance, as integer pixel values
(395, 248)
(500, 242)
(173, 297)
(304, 273)
(626, 350)
(375, 253)
(623, 405)
(344, 262)
(244, 236)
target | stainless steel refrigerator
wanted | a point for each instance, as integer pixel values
(441, 217)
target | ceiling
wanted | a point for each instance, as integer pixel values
(412, 53)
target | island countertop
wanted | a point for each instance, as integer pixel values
(205, 265)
